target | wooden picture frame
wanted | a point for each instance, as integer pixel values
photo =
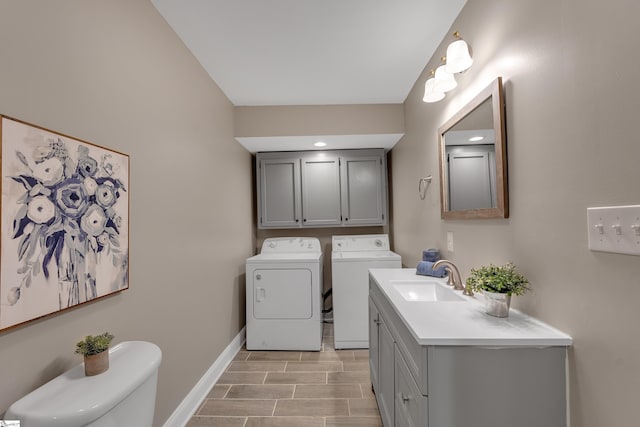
(64, 239)
(490, 100)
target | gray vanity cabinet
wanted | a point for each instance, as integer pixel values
(338, 188)
(461, 385)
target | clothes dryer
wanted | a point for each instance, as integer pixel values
(284, 294)
(351, 259)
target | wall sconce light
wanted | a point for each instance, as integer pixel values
(445, 81)
(430, 95)
(458, 59)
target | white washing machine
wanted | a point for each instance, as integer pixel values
(284, 295)
(351, 259)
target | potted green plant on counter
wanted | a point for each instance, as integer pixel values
(95, 350)
(498, 284)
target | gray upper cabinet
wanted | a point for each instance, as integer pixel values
(279, 186)
(321, 188)
(363, 194)
(321, 191)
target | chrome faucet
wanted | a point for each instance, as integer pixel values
(455, 279)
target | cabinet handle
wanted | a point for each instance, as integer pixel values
(346, 219)
(304, 220)
(297, 220)
(377, 321)
(405, 398)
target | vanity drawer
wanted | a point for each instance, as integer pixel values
(411, 409)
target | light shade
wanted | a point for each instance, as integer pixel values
(444, 81)
(429, 94)
(458, 57)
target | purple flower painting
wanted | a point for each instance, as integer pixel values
(65, 222)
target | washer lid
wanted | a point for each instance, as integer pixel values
(367, 242)
(365, 256)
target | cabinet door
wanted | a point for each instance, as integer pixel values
(321, 191)
(386, 376)
(363, 190)
(470, 180)
(374, 322)
(279, 192)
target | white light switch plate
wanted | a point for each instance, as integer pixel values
(614, 229)
(449, 241)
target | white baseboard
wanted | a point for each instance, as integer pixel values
(196, 396)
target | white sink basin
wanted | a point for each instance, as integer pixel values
(419, 290)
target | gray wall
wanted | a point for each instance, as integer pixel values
(572, 140)
(114, 73)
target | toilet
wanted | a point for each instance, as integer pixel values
(124, 395)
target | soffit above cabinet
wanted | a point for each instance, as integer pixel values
(305, 143)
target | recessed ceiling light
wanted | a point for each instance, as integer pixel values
(476, 138)
(320, 144)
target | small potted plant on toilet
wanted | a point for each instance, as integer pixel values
(95, 350)
(498, 284)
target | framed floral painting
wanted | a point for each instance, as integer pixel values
(64, 239)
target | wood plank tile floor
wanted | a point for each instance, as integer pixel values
(329, 388)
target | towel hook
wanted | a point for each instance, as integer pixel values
(423, 184)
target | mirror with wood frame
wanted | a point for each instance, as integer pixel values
(473, 159)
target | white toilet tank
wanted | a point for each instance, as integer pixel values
(124, 395)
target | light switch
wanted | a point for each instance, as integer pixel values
(617, 228)
(614, 229)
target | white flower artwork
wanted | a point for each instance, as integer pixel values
(64, 239)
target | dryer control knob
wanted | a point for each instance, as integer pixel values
(378, 243)
(272, 244)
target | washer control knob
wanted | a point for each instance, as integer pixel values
(378, 243)
(272, 245)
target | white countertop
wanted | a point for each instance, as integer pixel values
(463, 323)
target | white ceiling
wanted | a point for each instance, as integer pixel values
(312, 52)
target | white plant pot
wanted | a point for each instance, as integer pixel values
(497, 304)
